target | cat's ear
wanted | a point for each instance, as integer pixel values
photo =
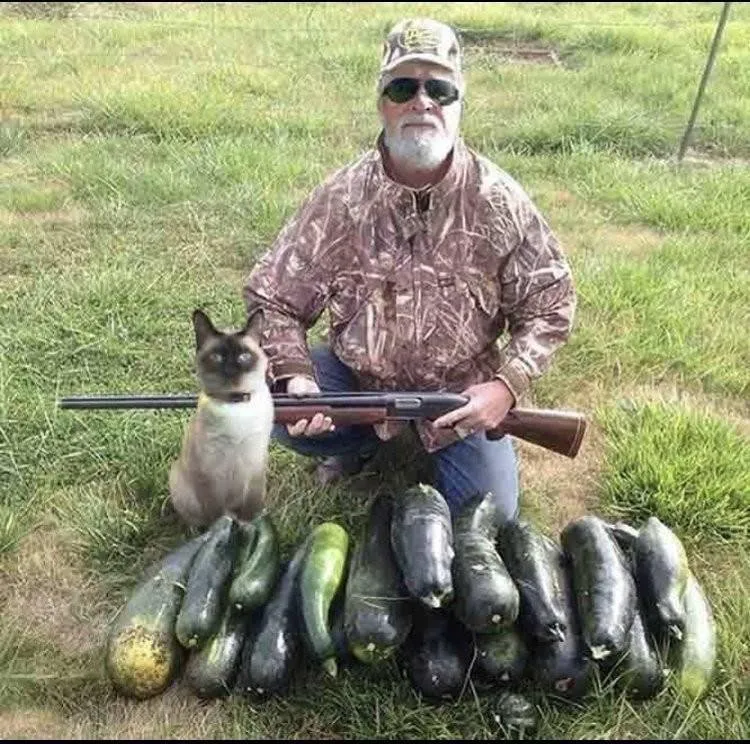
(254, 325)
(204, 329)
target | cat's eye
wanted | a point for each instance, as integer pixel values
(245, 358)
(216, 357)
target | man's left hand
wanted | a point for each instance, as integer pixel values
(489, 403)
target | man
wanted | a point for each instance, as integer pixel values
(424, 253)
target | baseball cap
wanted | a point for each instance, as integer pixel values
(421, 39)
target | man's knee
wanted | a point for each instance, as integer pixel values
(477, 465)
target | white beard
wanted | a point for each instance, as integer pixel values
(422, 149)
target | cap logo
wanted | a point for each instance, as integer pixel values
(419, 38)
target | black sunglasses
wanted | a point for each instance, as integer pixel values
(401, 90)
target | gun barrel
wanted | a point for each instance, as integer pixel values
(177, 400)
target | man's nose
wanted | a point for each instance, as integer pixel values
(422, 102)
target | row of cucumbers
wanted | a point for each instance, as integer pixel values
(511, 606)
(453, 598)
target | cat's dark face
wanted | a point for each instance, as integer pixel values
(229, 362)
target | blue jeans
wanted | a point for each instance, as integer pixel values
(473, 465)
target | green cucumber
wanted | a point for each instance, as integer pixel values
(422, 541)
(638, 671)
(603, 584)
(211, 670)
(535, 564)
(485, 597)
(693, 657)
(661, 570)
(322, 576)
(268, 662)
(142, 654)
(377, 606)
(502, 657)
(257, 569)
(563, 669)
(437, 654)
(205, 594)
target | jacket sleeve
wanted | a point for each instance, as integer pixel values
(537, 297)
(291, 281)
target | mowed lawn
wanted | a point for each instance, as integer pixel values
(149, 152)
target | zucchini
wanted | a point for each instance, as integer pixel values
(624, 535)
(437, 654)
(536, 566)
(485, 597)
(603, 584)
(211, 670)
(377, 606)
(257, 569)
(269, 661)
(563, 669)
(661, 570)
(322, 576)
(422, 541)
(205, 594)
(693, 657)
(515, 713)
(501, 658)
(638, 671)
(142, 655)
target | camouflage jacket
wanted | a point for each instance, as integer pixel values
(424, 292)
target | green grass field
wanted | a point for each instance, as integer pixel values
(149, 152)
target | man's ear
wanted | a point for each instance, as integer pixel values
(254, 325)
(204, 329)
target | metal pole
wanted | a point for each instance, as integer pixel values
(704, 80)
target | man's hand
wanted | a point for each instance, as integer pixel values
(488, 405)
(319, 424)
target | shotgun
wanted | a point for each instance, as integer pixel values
(557, 431)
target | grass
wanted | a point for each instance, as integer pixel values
(149, 152)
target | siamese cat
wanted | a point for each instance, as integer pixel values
(222, 466)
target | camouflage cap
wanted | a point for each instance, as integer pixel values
(425, 40)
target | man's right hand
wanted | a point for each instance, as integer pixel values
(319, 424)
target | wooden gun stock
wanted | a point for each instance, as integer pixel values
(363, 415)
(558, 431)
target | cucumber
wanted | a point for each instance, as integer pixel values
(638, 671)
(661, 570)
(257, 569)
(515, 713)
(485, 597)
(693, 657)
(321, 578)
(603, 584)
(501, 658)
(562, 668)
(422, 541)
(268, 662)
(437, 654)
(205, 594)
(211, 670)
(377, 606)
(625, 535)
(142, 655)
(536, 566)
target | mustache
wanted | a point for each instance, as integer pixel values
(417, 119)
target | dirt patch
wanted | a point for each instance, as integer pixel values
(43, 579)
(175, 714)
(483, 47)
(32, 724)
(560, 488)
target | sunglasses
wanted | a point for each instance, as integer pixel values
(401, 90)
